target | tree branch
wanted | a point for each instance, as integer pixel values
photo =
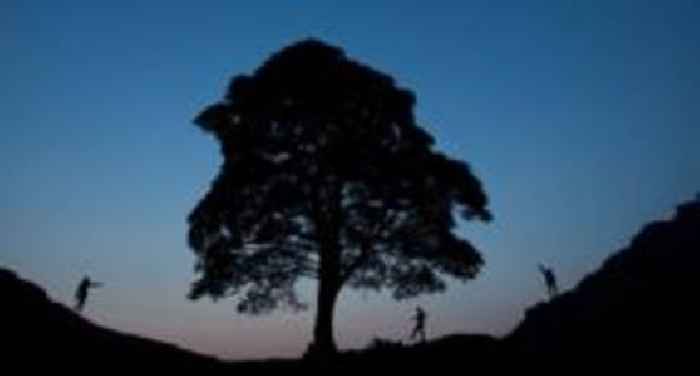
(366, 247)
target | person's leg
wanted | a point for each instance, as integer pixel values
(81, 302)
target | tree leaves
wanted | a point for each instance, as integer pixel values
(323, 158)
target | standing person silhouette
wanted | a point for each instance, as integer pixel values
(550, 280)
(420, 324)
(81, 292)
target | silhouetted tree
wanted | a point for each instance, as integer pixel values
(326, 175)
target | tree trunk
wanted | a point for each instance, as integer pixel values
(329, 284)
(326, 218)
(324, 343)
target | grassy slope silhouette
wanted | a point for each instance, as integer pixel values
(635, 307)
(41, 333)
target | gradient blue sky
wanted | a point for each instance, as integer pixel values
(580, 117)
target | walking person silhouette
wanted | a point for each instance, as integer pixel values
(81, 292)
(419, 329)
(550, 280)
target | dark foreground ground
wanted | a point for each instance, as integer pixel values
(637, 311)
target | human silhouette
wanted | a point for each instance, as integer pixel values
(550, 280)
(82, 292)
(419, 329)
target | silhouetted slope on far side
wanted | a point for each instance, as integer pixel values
(40, 333)
(640, 303)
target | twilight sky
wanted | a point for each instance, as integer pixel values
(580, 117)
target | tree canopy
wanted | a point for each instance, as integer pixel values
(326, 175)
